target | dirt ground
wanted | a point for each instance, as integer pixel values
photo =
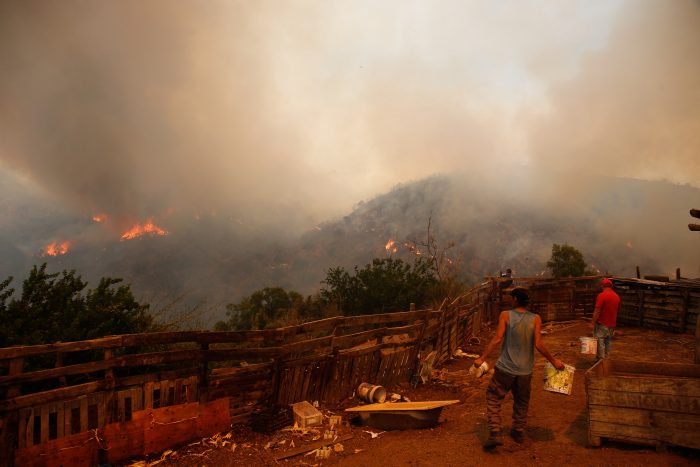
(556, 433)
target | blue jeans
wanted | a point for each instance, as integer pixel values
(604, 335)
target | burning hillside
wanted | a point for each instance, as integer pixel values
(218, 259)
(57, 248)
(138, 230)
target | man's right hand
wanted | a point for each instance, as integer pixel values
(478, 361)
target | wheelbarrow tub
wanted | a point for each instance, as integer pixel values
(401, 415)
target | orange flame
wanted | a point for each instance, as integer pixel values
(56, 248)
(99, 218)
(138, 230)
(389, 244)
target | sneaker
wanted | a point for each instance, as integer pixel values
(494, 439)
(518, 436)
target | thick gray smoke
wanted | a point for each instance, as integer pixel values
(271, 117)
(633, 108)
(285, 111)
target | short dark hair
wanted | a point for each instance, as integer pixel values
(520, 295)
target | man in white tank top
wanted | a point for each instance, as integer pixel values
(519, 332)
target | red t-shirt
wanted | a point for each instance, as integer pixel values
(608, 302)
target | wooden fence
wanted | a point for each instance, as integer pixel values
(123, 396)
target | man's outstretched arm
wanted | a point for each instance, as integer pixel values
(497, 339)
(541, 348)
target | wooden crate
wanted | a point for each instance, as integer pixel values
(644, 403)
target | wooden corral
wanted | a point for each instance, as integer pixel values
(667, 306)
(161, 389)
(644, 403)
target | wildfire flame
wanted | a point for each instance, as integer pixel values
(57, 248)
(99, 218)
(138, 230)
(389, 244)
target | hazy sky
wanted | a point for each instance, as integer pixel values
(295, 110)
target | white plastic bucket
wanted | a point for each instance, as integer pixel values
(589, 345)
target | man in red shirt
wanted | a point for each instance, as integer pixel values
(607, 304)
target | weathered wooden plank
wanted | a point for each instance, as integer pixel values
(53, 395)
(23, 427)
(310, 344)
(683, 370)
(312, 446)
(645, 401)
(83, 414)
(385, 318)
(26, 351)
(142, 380)
(181, 423)
(307, 380)
(351, 340)
(238, 354)
(662, 428)
(619, 415)
(44, 423)
(125, 439)
(649, 385)
(60, 420)
(67, 419)
(71, 451)
(154, 358)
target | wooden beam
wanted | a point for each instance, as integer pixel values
(694, 227)
(695, 213)
(697, 340)
(53, 395)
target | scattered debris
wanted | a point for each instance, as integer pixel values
(338, 447)
(335, 421)
(460, 354)
(312, 447)
(426, 366)
(393, 397)
(373, 434)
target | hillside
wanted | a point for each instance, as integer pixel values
(617, 224)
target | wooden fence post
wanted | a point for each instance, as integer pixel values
(110, 406)
(419, 344)
(11, 418)
(203, 374)
(684, 311)
(640, 296)
(697, 339)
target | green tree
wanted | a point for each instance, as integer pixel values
(54, 308)
(567, 261)
(260, 310)
(385, 285)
